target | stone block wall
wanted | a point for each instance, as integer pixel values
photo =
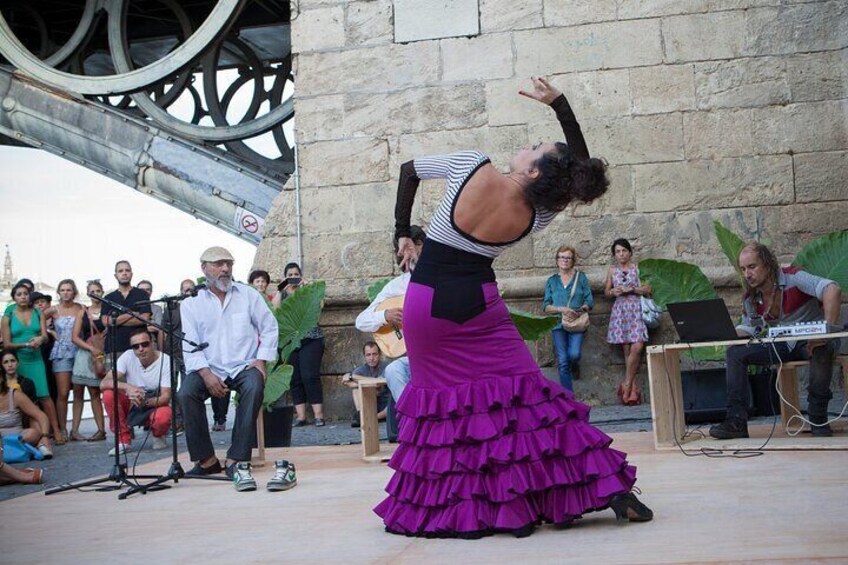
(729, 110)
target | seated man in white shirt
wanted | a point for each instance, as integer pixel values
(242, 335)
(370, 320)
(144, 392)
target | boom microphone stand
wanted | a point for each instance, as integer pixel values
(119, 469)
(175, 339)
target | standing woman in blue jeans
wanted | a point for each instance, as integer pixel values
(559, 299)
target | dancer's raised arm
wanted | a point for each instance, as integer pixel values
(546, 93)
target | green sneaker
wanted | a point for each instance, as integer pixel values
(284, 476)
(242, 479)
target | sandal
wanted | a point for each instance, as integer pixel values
(36, 476)
(60, 439)
(76, 436)
(635, 396)
(99, 435)
(623, 393)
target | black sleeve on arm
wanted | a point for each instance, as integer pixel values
(407, 186)
(570, 127)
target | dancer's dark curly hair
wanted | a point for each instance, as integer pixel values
(563, 178)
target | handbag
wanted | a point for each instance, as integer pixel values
(581, 323)
(83, 365)
(651, 312)
(16, 450)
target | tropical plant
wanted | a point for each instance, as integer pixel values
(827, 257)
(375, 289)
(295, 315)
(731, 244)
(675, 281)
(530, 326)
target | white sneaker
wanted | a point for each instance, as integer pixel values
(45, 451)
(160, 443)
(122, 449)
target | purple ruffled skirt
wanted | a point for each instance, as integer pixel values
(486, 442)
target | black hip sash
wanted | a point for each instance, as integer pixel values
(456, 277)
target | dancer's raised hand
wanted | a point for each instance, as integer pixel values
(543, 91)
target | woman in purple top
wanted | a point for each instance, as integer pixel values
(488, 444)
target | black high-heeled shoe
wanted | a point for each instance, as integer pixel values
(628, 507)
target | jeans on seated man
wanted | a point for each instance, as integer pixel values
(775, 296)
(144, 392)
(372, 368)
(242, 335)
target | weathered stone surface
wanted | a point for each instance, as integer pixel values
(815, 26)
(485, 57)
(640, 139)
(274, 252)
(703, 37)
(321, 28)
(820, 177)
(348, 255)
(559, 13)
(722, 133)
(368, 23)
(662, 88)
(628, 9)
(281, 217)
(318, 118)
(519, 256)
(597, 94)
(349, 161)
(818, 76)
(509, 15)
(724, 183)
(367, 70)
(813, 126)
(789, 228)
(694, 238)
(499, 143)
(414, 109)
(742, 83)
(589, 47)
(348, 208)
(619, 198)
(415, 20)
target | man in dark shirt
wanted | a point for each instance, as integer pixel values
(127, 296)
(373, 367)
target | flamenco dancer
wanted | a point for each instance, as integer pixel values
(487, 444)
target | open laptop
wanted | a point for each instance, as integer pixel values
(702, 320)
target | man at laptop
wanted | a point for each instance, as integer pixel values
(777, 296)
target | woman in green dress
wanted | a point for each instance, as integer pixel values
(24, 331)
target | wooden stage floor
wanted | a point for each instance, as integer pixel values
(786, 506)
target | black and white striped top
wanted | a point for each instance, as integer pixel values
(457, 168)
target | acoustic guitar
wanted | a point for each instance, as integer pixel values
(389, 338)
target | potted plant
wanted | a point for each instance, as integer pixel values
(295, 316)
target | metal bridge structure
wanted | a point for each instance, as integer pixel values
(187, 101)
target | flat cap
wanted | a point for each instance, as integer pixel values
(216, 254)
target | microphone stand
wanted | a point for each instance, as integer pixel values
(175, 339)
(119, 469)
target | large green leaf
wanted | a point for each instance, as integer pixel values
(530, 326)
(277, 383)
(298, 314)
(827, 257)
(375, 289)
(675, 281)
(731, 244)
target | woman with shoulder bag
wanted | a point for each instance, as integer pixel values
(568, 293)
(89, 364)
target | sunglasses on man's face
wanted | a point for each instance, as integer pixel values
(137, 346)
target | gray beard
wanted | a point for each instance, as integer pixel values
(220, 285)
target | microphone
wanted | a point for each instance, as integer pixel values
(196, 289)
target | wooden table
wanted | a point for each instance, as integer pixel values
(666, 392)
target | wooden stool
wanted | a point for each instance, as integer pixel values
(369, 426)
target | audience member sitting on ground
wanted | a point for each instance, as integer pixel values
(10, 475)
(14, 405)
(144, 392)
(372, 368)
(63, 352)
(24, 330)
(780, 297)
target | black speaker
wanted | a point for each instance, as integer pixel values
(704, 395)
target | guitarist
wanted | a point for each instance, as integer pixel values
(397, 373)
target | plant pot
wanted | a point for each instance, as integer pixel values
(278, 426)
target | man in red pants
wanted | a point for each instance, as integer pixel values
(144, 392)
